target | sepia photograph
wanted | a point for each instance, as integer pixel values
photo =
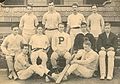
(59, 41)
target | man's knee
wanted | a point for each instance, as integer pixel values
(111, 54)
(43, 56)
(54, 56)
(67, 56)
(102, 53)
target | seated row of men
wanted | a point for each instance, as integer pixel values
(85, 60)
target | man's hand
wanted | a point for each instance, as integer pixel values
(75, 62)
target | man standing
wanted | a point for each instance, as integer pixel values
(24, 69)
(11, 47)
(50, 20)
(40, 45)
(74, 22)
(106, 45)
(61, 44)
(82, 36)
(28, 23)
(95, 22)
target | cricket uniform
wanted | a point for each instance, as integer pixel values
(11, 47)
(74, 22)
(106, 41)
(28, 25)
(25, 70)
(87, 64)
(79, 39)
(41, 42)
(61, 42)
(51, 21)
(96, 23)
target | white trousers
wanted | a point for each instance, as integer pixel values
(27, 37)
(50, 34)
(55, 56)
(26, 73)
(10, 62)
(80, 70)
(41, 54)
(110, 62)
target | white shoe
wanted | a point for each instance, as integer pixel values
(47, 79)
(65, 78)
(10, 76)
(109, 78)
(102, 77)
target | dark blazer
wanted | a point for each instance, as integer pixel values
(103, 41)
(79, 39)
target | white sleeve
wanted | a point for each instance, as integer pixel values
(59, 18)
(36, 21)
(4, 46)
(21, 24)
(44, 19)
(68, 43)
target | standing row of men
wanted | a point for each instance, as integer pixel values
(61, 42)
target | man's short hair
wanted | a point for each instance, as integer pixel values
(39, 25)
(75, 4)
(61, 24)
(13, 26)
(24, 45)
(83, 23)
(51, 2)
(29, 5)
(107, 24)
(87, 42)
(94, 5)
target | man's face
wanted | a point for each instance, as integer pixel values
(94, 9)
(61, 27)
(51, 6)
(86, 47)
(25, 50)
(83, 28)
(75, 8)
(107, 29)
(29, 9)
(15, 30)
(39, 30)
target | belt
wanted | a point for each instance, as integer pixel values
(75, 27)
(36, 49)
(51, 29)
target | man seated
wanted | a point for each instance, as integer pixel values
(83, 64)
(40, 44)
(106, 46)
(11, 47)
(83, 35)
(25, 70)
(61, 44)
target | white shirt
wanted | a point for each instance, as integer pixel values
(75, 20)
(96, 23)
(39, 41)
(88, 59)
(61, 41)
(51, 20)
(21, 62)
(28, 23)
(12, 44)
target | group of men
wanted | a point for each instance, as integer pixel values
(79, 39)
